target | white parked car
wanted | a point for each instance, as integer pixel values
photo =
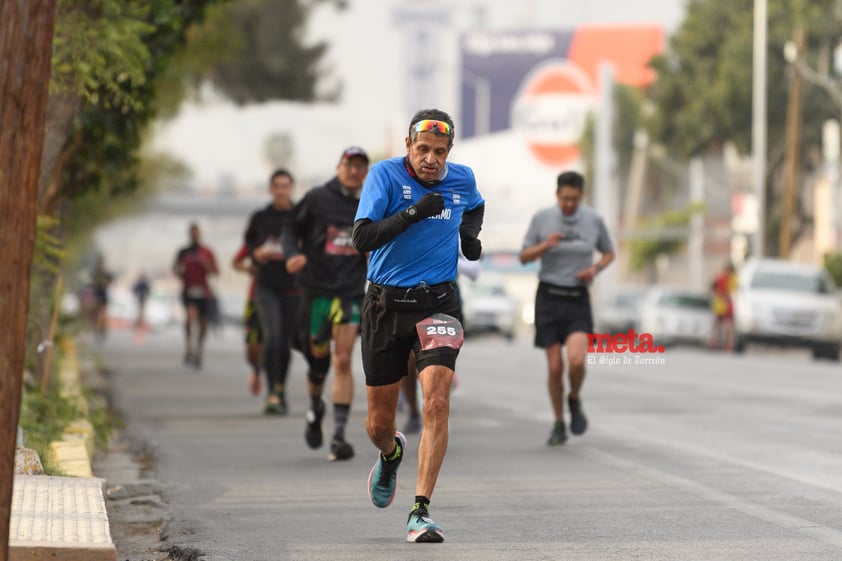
(676, 316)
(488, 307)
(788, 304)
(621, 310)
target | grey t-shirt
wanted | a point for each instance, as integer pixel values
(584, 232)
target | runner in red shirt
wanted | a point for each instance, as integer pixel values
(193, 265)
(251, 323)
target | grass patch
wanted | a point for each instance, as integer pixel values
(43, 419)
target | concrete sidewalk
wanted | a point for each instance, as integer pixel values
(63, 518)
(59, 519)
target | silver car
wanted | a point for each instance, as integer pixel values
(488, 307)
(621, 310)
(788, 304)
(674, 315)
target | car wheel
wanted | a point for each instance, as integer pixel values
(826, 352)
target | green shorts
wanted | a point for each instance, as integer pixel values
(325, 312)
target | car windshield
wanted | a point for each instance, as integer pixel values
(684, 301)
(488, 290)
(790, 281)
(628, 300)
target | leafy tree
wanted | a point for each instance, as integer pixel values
(119, 64)
(703, 88)
(644, 252)
(269, 60)
(833, 263)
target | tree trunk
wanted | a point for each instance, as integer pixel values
(26, 39)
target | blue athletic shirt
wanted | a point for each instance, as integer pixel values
(428, 251)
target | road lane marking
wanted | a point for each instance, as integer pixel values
(793, 523)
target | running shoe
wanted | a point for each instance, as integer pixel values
(578, 421)
(313, 433)
(282, 402)
(383, 479)
(340, 450)
(413, 424)
(420, 527)
(558, 436)
(272, 405)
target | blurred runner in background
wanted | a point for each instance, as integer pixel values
(101, 280)
(194, 264)
(722, 303)
(276, 294)
(141, 290)
(251, 323)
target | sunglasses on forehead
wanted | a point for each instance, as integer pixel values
(430, 125)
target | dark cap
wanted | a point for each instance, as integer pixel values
(354, 152)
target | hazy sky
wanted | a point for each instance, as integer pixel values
(368, 50)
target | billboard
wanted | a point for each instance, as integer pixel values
(541, 85)
(525, 99)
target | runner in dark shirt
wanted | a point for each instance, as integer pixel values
(317, 243)
(276, 294)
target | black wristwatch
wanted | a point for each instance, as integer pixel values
(411, 211)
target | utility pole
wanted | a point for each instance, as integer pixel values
(793, 145)
(758, 128)
(26, 41)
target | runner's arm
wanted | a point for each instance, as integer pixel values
(368, 235)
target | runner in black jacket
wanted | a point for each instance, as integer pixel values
(276, 294)
(317, 243)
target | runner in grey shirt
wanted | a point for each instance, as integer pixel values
(571, 241)
(565, 237)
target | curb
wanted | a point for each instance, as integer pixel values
(63, 517)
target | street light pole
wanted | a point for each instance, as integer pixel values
(758, 129)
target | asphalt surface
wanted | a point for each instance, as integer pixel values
(703, 457)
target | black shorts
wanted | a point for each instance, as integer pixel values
(201, 304)
(389, 335)
(560, 311)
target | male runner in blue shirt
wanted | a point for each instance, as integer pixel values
(413, 213)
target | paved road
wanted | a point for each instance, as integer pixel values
(705, 457)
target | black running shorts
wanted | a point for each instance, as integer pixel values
(560, 311)
(201, 304)
(389, 335)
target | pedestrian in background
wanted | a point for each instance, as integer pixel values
(251, 323)
(141, 290)
(194, 265)
(722, 304)
(101, 279)
(413, 212)
(565, 238)
(318, 248)
(276, 293)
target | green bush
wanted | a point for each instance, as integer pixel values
(833, 264)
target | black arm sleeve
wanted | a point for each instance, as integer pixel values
(368, 235)
(252, 235)
(293, 228)
(472, 222)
